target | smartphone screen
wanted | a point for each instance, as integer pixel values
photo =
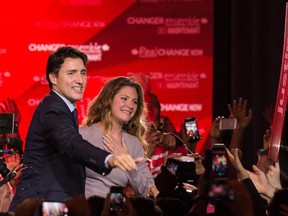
(228, 124)
(219, 161)
(220, 190)
(172, 166)
(116, 198)
(54, 208)
(191, 128)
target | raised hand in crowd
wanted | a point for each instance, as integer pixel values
(233, 156)
(273, 175)
(263, 161)
(215, 132)
(243, 115)
(261, 182)
(239, 110)
(259, 179)
(251, 181)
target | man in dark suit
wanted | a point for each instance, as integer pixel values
(55, 153)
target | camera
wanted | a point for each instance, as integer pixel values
(7, 124)
(116, 198)
(191, 128)
(219, 161)
(3, 168)
(183, 169)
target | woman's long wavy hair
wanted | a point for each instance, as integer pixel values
(100, 108)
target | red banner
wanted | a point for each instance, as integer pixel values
(170, 41)
(281, 102)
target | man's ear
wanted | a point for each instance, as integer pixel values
(53, 78)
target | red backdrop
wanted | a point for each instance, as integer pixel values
(171, 41)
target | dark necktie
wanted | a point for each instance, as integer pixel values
(75, 114)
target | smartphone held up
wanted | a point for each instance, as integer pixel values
(219, 161)
(117, 198)
(218, 187)
(191, 128)
(53, 208)
(228, 124)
